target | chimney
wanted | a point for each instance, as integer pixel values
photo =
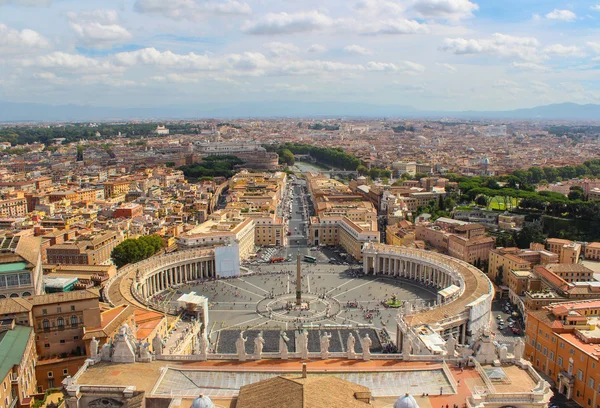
(303, 370)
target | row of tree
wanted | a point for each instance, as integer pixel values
(135, 250)
(334, 157)
(212, 166)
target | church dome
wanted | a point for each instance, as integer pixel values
(202, 402)
(406, 401)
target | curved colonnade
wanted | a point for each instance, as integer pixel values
(463, 313)
(163, 272)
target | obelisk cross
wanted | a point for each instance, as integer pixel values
(298, 281)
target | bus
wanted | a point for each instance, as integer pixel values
(310, 259)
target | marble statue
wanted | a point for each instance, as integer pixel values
(570, 369)
(157, 345)
(240, 347)
(283, 345)
(366, 343)
(350, 353)
(145, 353)
(451, 345)
(123, 348)
(105, 352)
(303, 345)
(259, 343)
(518, 349)
(203, 346)
(325, 339)
(94, 348)
(502, 352)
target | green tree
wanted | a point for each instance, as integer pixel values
(135, 250)
(531, 232)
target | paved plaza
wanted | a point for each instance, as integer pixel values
(190, 383)
(337, 296)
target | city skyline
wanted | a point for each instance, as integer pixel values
(429, 54)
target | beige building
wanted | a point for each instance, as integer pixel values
(85, 250)
(222, 228)
(470, 244)
(17, 365)
(571, 272)
(568, 251)
(269, 230)
(341, 231)
(13, 207)
(592, 251)
(503, 260)
(20, 266)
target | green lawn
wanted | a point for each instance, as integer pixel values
(497, 203)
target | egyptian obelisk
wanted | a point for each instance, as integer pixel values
(298, 281)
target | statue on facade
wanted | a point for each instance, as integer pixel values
(145, 353)
(519, 347)
(303, 344)
(240, 347)
(94, 348)
(502, 352)
(325, 339)
(350, 353)
(259, 343)
(157, 345)
(203, 346)
(105, 352)
(366, 343)
(283, 345)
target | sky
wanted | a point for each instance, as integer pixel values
(427, 54)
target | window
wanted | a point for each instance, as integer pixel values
(46, 345)
(552, 355)
(75, 337)
(60, 322)
(73, 320)
(72, 308)
(58, 309)
(559, 361)
(579, 375)
(44, 312)
(591, 382)
(62, 341)
(561, 345)
(50, 375)
(46, 324)
(65, 371)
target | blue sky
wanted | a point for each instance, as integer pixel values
(430, 54)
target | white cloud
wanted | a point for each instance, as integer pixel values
(357, 49)
(317, 48)
(279, 49)
(407, 66)
(288, 23)
(63, 61)
(447, 66)
(595, 7)
(564, 50)
(594, 46)
(501, 45)
(98, 28)
(191, 9)
(562, 15)
(445, 9)
(528, 66)
(12, 40)
(396, 26)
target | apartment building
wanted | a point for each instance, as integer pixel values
(222, 228)
(94, 249)
(572, 272)
(568, 251)
(116, 188)
(401, 234)
(13, 207)
(592, 251)
(341, 231)
(269, 230)
(17, 365)
(59, 321)
(503, 260)
(470, 244)
(563, 342)
(20, 266)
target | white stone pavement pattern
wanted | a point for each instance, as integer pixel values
(182, 383)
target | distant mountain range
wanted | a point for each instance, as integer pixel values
(33, 112)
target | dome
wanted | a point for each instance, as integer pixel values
(407, 401)
(202, 402)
